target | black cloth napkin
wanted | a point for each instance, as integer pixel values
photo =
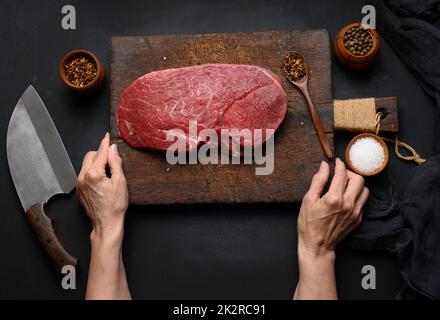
(409, 225)
(412, 29)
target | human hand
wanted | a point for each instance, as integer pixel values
(105, 199)
(324, 220)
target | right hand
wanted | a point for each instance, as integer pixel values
(324, 220)
(105, 199)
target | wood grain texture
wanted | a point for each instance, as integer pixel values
(46, 232)
(388, 105)
(298, 153)
(319, 127)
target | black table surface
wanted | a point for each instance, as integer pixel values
(246, 252)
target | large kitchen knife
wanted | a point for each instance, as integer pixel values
(40, 168)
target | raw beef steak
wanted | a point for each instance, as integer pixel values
(217, 96)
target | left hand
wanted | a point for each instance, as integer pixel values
(105, 199)
(324, 220)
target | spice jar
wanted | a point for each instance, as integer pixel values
(366, 154)
(82, 71)
(356, 47)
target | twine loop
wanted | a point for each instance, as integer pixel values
(414, 155)
(360, 115)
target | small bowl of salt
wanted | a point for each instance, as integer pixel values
(366, 154)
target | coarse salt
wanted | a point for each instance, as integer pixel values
(366, 155)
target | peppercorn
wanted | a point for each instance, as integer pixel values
(294, 67)
(358, 41)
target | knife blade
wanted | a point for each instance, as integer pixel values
(40, 168)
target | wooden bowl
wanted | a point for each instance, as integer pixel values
(351, 61)
(381, 142)
(91, 86)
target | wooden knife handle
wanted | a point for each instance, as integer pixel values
(46, 233)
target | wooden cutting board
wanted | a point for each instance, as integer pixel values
(151, 180)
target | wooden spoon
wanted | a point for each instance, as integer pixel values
(302, 85)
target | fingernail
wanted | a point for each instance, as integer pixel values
(114, 148)
(106, 134)
(322, 165)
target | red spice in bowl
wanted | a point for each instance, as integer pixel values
(81, 71)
